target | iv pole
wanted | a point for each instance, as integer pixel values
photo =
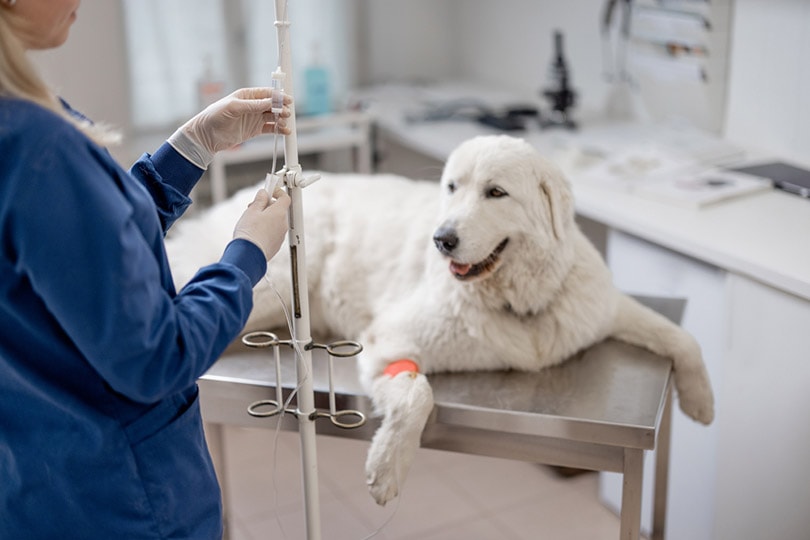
(307, 415)
(301, 341)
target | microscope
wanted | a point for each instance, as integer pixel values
(560, 95)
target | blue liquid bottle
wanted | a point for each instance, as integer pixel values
(316, 86)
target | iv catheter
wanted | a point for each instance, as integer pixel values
(292, 177)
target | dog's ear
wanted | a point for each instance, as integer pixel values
(557, 194)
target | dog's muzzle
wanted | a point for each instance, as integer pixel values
(446, 239)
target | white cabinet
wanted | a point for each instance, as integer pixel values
(746, 475)
(763, 478)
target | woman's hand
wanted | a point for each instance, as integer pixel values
(265, 222)
(228, 122)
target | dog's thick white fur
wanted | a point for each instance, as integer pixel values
(486, 270)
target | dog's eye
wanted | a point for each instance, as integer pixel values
(451, 187)
(496, 193)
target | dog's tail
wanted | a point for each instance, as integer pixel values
(639, 325)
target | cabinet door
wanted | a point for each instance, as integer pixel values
(764, 442)
(644, 268)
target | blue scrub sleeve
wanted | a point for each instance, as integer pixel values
(247, 256)
(169, 178)
(83, 246)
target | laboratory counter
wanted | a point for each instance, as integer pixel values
(762, 235)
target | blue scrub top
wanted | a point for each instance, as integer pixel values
(100, 427)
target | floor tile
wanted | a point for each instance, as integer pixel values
(447, 495)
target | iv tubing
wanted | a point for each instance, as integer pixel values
(300, 300)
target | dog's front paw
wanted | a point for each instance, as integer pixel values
(387, 465)
(406, 401)
(695, 395)
(383, 483)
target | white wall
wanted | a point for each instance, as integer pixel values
(769, 78)
(405, 40)
(759, 88)
(768, 96)
(509, 44)
(90, 70)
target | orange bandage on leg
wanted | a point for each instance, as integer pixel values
(398, 366)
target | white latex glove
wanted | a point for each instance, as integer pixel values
(265, 222)
(228, 122)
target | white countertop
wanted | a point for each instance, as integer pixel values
(763, 235)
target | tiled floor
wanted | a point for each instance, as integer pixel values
(447, 495)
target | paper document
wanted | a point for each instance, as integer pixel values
(701, 189)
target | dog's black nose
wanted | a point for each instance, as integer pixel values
(445, 239)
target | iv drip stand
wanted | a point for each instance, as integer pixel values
(300, 297)
(301, 341)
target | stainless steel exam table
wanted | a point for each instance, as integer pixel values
(600, 410)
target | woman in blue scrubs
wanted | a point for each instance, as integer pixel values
(100, 427)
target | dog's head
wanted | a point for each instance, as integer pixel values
(497, 195)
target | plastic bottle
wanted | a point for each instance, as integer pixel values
(209, 88)
(316, 85)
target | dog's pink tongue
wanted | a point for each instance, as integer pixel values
(459, 269)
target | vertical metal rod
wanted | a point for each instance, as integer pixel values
(332, 406)
(659, 523)
(279, 391)
(631, 494)
(301, 324)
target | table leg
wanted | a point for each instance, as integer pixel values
(363, 151)
(631, 493)
(662, 471)
(216, 177)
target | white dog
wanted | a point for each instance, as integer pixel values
(486, 270)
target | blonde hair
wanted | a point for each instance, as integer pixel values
(19, 79)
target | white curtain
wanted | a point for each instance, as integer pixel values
(173, 43)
